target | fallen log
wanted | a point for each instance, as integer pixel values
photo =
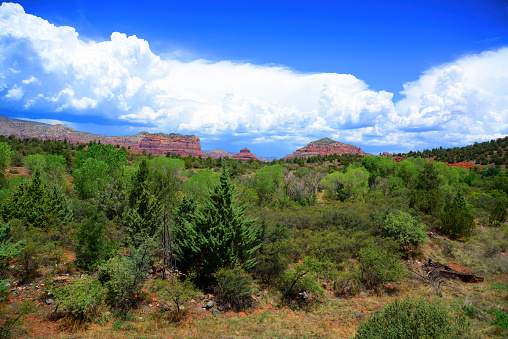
(436, 269)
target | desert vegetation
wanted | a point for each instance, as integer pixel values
(100, 242)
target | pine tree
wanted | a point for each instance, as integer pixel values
(456, 218)
(216, 234)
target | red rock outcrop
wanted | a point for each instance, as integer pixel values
(185, 146)
(325, 146)
(244, 155)
(218, 153)
(463, 164)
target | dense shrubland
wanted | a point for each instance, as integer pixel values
(341, 224)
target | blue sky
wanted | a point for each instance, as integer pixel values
(270, 75)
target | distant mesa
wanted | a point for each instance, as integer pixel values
(157, 143)
(325, 146)
(173, 144)
(218, 153)
(245, 155)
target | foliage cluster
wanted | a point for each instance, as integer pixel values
(415, 318)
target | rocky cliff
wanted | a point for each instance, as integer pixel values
(161, 145)
(245, 155)
(157, 144)
(324, 147)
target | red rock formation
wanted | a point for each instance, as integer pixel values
(161, 145)
(324, 147)
(245, 155)
(217, 153)
(157, 144)
(463, 164)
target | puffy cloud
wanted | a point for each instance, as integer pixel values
(459, 102)
(48, 68)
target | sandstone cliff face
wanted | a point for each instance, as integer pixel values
(324, 147)
(244, 155)
(162, 145)
(157, 144)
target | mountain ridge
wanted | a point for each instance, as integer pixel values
(155, 143)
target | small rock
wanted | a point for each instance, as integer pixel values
(363, 294)
(201, 297)
(147, 311)
(49, 301)
(215, 311)
(210, 304)
(303, 295)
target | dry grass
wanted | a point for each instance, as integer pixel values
(332, 318)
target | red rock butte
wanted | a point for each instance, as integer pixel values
(325, 146)
(217, 153)
(245, 155)
(161, 145)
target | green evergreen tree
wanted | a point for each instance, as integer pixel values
(216, 234)
(498, 215)
(139, 183)
(28, 203)
(37, 205)
(426, 196)
(456, 218)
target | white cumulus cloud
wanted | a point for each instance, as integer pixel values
(48, 68)
(458, 102)
(123, 79)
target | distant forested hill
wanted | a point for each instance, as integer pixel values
(484, 153)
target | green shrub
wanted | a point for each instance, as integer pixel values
(234, 289)
(39, 249)
(300, 282)
(81, 299)
(404, 228)
(11, 320)
(124, 276)
(178, 293)
(90, 242)
(8, 250)
(501, 320)
(378, 265)
(272, 258)
(414, 318)
(456, 218)
(498, 215)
